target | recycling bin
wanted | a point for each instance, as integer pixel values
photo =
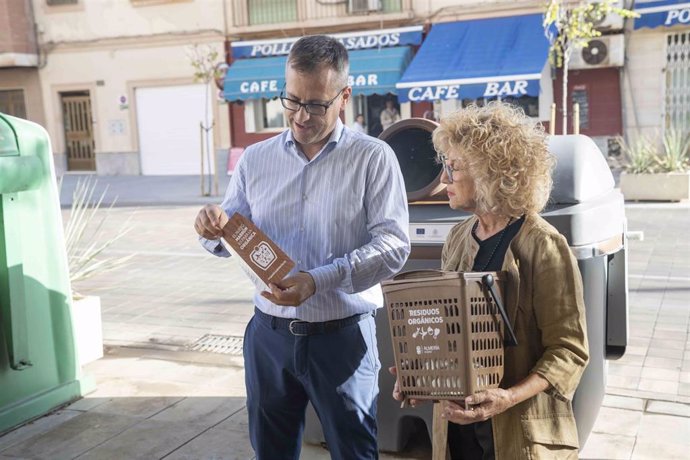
(38, 363)
(584, 207)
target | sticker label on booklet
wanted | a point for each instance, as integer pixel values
(259, 253)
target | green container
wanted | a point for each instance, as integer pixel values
(39, 369)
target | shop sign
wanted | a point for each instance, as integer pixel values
(492, 89)
(665, 13)
(353, 41)
(262, 86)
(371, 79)
(678, 17)
(274, 86)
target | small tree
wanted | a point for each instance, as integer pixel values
(204, 61)
(569, 26)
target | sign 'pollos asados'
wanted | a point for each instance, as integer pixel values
(384, 38)
(665, 13)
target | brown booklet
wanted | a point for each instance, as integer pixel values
(259, 254)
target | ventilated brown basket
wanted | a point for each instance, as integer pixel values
(447, 333)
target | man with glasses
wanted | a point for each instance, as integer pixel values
(335, 202)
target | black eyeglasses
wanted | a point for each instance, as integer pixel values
(312, 108)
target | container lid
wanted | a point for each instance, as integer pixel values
(410, 139)
(8, 140)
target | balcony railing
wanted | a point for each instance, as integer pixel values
(266, 12)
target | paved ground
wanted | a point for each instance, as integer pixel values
(157, 399)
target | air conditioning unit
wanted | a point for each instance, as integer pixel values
(363, 6)
(605, 51)
(612, 21)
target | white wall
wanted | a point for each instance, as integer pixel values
(107, 19)
(643, 82)
(110, 75)
(453, 10)
(113, 47)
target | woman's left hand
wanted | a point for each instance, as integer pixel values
(478, 407)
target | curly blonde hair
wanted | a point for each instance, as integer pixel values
(504, 151)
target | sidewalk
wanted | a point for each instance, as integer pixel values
(147, 190)
(156, 398)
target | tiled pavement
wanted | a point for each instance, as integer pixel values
(156, 400)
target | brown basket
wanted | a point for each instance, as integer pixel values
(447, 332)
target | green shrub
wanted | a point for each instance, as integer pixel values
(674, 157)
(641, 154)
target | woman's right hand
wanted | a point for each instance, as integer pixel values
(397, 394)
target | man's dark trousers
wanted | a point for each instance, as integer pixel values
(335, 368)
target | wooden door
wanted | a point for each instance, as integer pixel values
(79, 143)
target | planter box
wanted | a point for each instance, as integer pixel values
(88, 329)
(655, 187)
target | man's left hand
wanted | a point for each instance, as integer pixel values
(478, 407)
(291, 291)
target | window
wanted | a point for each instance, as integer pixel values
(391, 6)
(272, 114)
(677, 113)
(580, 97)
(529, 104)
(272, 11)
(155, 2)
(12, 103)
(264, 115)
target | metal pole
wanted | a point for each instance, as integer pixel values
(215, 172)
(201, 149)
(552, 120)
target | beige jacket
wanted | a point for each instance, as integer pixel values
(545, 304)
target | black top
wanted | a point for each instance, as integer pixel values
(486, 247)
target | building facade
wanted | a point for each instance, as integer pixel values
(441, 75)
(118, 87)
(656, 87)
(112, 82)
(20, 93)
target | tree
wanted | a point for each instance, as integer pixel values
(569, 26)
(204, 61)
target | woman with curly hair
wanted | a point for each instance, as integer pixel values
(496, 165)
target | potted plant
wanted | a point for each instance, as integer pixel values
(85, 243)
(657, 174)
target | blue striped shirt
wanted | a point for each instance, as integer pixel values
(342, 217)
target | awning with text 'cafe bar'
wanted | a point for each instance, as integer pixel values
(372, 71)
(666, 13)
(496, 57)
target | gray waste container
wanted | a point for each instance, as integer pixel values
(587, 210)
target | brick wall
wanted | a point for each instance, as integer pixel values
(16, 27)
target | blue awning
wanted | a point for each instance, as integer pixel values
(662, 13)
(496, 57)
(254, 79)
(372, 71)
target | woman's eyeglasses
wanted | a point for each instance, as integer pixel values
(448, 168)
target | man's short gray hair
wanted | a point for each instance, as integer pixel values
(310, 53)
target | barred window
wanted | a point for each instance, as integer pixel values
(677, 100)
(12, 103)
(61, 2)
(272, 11)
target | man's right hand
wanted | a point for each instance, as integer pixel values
(210, 221)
